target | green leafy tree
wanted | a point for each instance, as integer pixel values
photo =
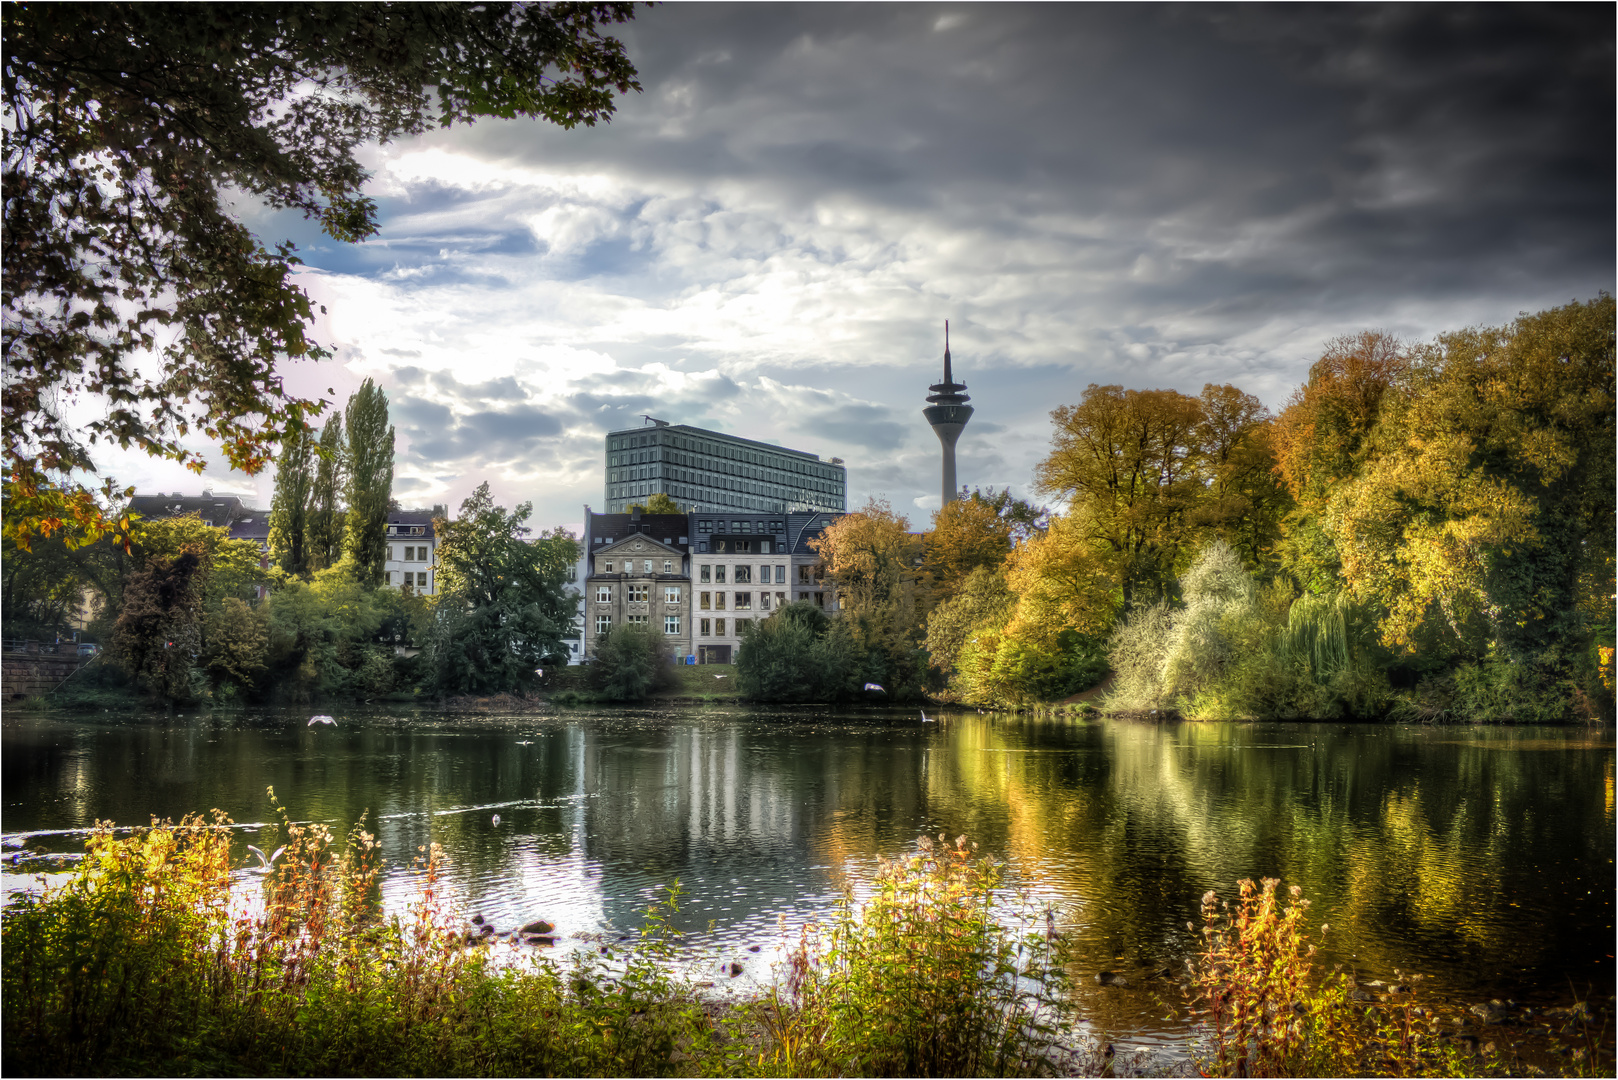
(983, 602)
(369, 486)
(325, 519)
(658, 503)
(502, 610)
(158, 636)
(1127, 461)
(798, 654)
(289, 507)
(238, 640)
(127, 130)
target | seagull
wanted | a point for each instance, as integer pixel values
(322, 719)
(874, 686)
(265, 865)
(721, 676)
(496, 819)
(927, 719)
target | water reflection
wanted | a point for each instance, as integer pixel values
(1482, 858)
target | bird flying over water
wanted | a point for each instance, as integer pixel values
(265, 865)
(927, 719)
(874, 686)
(322, 719)
(496, 819)
(721, 676)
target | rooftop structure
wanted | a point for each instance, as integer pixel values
(948, 415)
(709, 471)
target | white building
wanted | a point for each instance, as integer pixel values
(411, 555)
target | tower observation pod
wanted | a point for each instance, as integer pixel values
(948, 414)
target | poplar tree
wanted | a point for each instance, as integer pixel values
(289, 509)
(370, 481)
(325, 521)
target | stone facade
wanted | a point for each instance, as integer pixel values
(640, 572)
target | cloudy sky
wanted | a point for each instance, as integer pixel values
(768, 239)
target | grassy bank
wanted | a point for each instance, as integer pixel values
(149, 961)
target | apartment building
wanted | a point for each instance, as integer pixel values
(711, 472)
(702, 577)
(218, 511)
(639, 572)
(412, 547)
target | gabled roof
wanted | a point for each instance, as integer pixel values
(672, 530)
(637, 543)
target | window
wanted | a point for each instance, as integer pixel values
(744, 601)
(742, 526)
(603, 624)
(671, 624)
(780, 599)
(704, 628)
(668, 566)
(803, 596)
(703, 572)
(638, 620)
(390, 552)
(719, 627)
(719, 601)
(780, 575)
(603, 594)
(705, 600)
(417, 530)
(671, 594)
(763, 547)
(744, 575)
(704, 528)
(606, 567)
(719, 574)
(775, 527)
(646, 566)
(393, 530)
(639, 594)
(803, 573)
(744, 547)
(764, 601)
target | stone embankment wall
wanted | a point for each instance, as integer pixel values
(31, 669)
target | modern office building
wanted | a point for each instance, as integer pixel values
(948, 415)
(708, 471)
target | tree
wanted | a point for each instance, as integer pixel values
(1245, 499)
(871, 559)
(1484, 499)
(289, 507)
(982, 602)
(1320, 441)
(798, 654)
(659, 503)
(369, 487)
(128, 132)
(1128, 459)
(502, 610)
(973, 532)
(326, 519)
(158, 637)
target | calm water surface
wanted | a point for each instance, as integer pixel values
(1482, 858)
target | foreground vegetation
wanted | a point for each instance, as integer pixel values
(153, 959)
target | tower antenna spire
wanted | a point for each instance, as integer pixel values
(947, 411)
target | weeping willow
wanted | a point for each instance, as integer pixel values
(1315, 637)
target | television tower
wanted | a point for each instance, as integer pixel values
(948, 414)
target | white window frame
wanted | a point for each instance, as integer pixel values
(671, 594)
(603, 594)
(671, 624)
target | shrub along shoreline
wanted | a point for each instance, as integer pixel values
(153, 959)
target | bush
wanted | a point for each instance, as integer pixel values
(1265, 1014)
(632, 662)
(924, 979)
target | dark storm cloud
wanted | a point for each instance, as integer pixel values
(1368, 148)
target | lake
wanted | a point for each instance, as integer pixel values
(1479, 857)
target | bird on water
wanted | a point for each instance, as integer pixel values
(322, 719)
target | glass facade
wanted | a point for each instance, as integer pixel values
(706, 471)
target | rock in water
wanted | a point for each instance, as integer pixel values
(538, 926)
(735, 968)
